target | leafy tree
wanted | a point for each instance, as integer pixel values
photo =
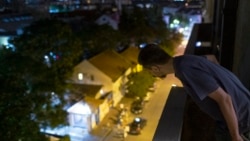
(16, 104)
(169, 45)
(33, 80)
(139, 83)
(97, 38)
(54, 39)
(135, 26)
(66, 138)
(144, 25)
(164, 37)
(184, 21)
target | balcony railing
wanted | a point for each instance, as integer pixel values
(171, 121)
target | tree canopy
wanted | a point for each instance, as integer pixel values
(139, 83)
(98, 38)
(143, 25)
(33, 79)
(135, 26)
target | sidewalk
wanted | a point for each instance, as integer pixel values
(108, 125)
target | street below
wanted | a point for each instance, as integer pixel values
(152, 112)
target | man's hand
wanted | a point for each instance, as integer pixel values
(238, 138)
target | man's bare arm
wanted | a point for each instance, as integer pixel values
(226, 106)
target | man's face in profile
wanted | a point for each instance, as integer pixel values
(156, 71)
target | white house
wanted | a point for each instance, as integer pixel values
(108, 69)
(87, 110)
(101, 82)
(109, 19)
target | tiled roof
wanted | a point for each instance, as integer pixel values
(86, 93)
(110, 63)
(81, 90)
(131, 54)
(94, 103)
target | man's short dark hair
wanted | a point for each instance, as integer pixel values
(151, 55)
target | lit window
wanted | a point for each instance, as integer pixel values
(80, 76)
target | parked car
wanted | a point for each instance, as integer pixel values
(137, 106)
(137, 125)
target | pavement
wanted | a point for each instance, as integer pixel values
(108, 130)
(109, 126)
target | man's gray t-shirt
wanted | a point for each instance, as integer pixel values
(200, 77)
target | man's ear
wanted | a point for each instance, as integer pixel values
(155, 68)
